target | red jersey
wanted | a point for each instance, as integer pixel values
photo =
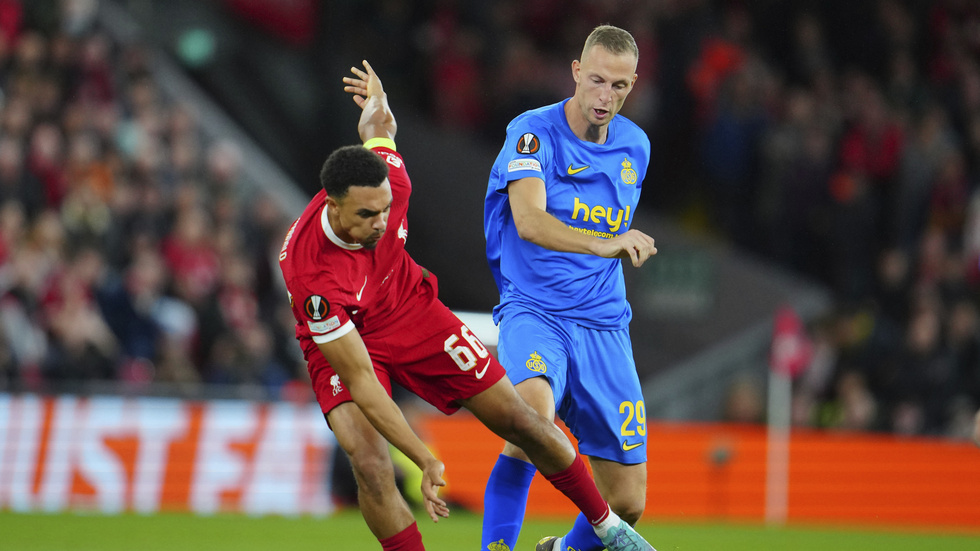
(412, 338)
(336, 286)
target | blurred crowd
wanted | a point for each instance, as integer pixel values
(838, 138)
(851, 153)
(129, 250)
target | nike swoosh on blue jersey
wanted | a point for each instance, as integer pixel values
(627, 446)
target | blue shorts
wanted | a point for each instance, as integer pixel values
(593, 376)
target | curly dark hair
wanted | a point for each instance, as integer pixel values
(352, 165)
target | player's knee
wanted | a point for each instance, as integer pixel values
(629, 508)
(527, 428)
(508, 424)
(373, 472)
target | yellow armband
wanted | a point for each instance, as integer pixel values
(380, 142)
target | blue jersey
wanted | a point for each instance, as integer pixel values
(593, 189)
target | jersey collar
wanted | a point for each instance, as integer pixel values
(333, 236)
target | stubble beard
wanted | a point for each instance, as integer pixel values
(372, 243)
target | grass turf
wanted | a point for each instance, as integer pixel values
(346, 531)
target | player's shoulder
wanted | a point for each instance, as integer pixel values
(631, 130)
(543, 119)
(303, 239)
(303, 266)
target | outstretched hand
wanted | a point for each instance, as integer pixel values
(366, 85)
(431, 482)
(377, 120)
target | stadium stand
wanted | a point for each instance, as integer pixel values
(136, 251)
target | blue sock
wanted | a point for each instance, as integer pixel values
(505, 501)
(582, 537)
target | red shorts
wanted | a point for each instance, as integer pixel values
(437, 358)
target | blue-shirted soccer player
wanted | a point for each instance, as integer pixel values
(561, 197)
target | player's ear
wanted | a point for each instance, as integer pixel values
(576, 67)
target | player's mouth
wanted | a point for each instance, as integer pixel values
(600, 114)
(372, 239)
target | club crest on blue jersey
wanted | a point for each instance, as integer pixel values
(534, 363)
(316, 307)
(628, 174)
(528, 144)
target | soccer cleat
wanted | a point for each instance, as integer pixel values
(547, 543)
(623, 537)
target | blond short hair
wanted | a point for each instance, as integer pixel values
(613, 39)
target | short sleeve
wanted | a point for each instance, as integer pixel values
(526, 152)
(318, 317)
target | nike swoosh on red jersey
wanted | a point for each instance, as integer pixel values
(358, 295)
(481, 373)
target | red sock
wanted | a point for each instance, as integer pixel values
(579, 487)
(409, 539)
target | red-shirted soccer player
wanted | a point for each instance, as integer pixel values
(367, 314)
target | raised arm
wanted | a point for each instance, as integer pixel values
(377, 120)
(350, 359)
(528, 202)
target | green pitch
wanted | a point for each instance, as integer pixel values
(346, 531)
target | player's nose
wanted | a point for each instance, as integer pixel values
(605, 93)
